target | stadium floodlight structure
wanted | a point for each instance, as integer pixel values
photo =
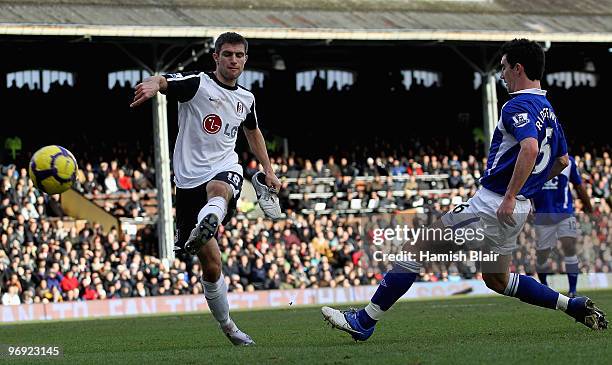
(489, 93)
(165, 221)
(489, 106)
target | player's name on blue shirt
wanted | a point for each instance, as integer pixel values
(527, 114)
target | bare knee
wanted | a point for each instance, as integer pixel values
(542, 256)
(218, 188)
(496, 281)
(569, 246)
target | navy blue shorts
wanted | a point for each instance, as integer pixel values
(189, 202)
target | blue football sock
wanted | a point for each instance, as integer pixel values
(572, 269)
(395, 284)
(528, 290)
(542, 270)
(365, 320)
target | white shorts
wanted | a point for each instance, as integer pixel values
(547, 235)
(480, 213)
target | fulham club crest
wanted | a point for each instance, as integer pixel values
(239, 108)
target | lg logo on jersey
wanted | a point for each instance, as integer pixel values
(232, 132)
(212, 125)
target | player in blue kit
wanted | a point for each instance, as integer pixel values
(554, 219)
(528, 148)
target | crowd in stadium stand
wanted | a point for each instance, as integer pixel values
(45, 258)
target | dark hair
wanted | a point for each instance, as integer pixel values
(230, 38)
(527, 53)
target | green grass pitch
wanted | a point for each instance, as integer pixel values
(474, 330)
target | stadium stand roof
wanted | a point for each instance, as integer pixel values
(470, 20)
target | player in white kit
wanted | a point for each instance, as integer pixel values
(208, 177)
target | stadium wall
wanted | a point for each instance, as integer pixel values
(258, 299)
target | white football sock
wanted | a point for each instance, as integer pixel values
(374, 311)
(562, 302)
(216, 297)
(571, 260)
(216, 205)
(512, 286)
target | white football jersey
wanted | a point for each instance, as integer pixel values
(210, 114)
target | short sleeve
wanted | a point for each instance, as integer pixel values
(518, 122)
(562, 143)
(183, 86)
(250, 122)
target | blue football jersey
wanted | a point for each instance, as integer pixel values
(555, 202)
(527, 114)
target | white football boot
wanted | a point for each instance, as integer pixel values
(267, 198)
(346, 320)
(235, 335)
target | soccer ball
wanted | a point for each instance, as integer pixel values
(53, 169)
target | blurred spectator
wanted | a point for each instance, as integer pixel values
(110, 183)
(124, 181)
(141, 182)
(11, 297)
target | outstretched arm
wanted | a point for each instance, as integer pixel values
(258, 146)
(148, 88)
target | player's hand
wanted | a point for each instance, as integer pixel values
(144, 91)
(272, 181)
(506, 210)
